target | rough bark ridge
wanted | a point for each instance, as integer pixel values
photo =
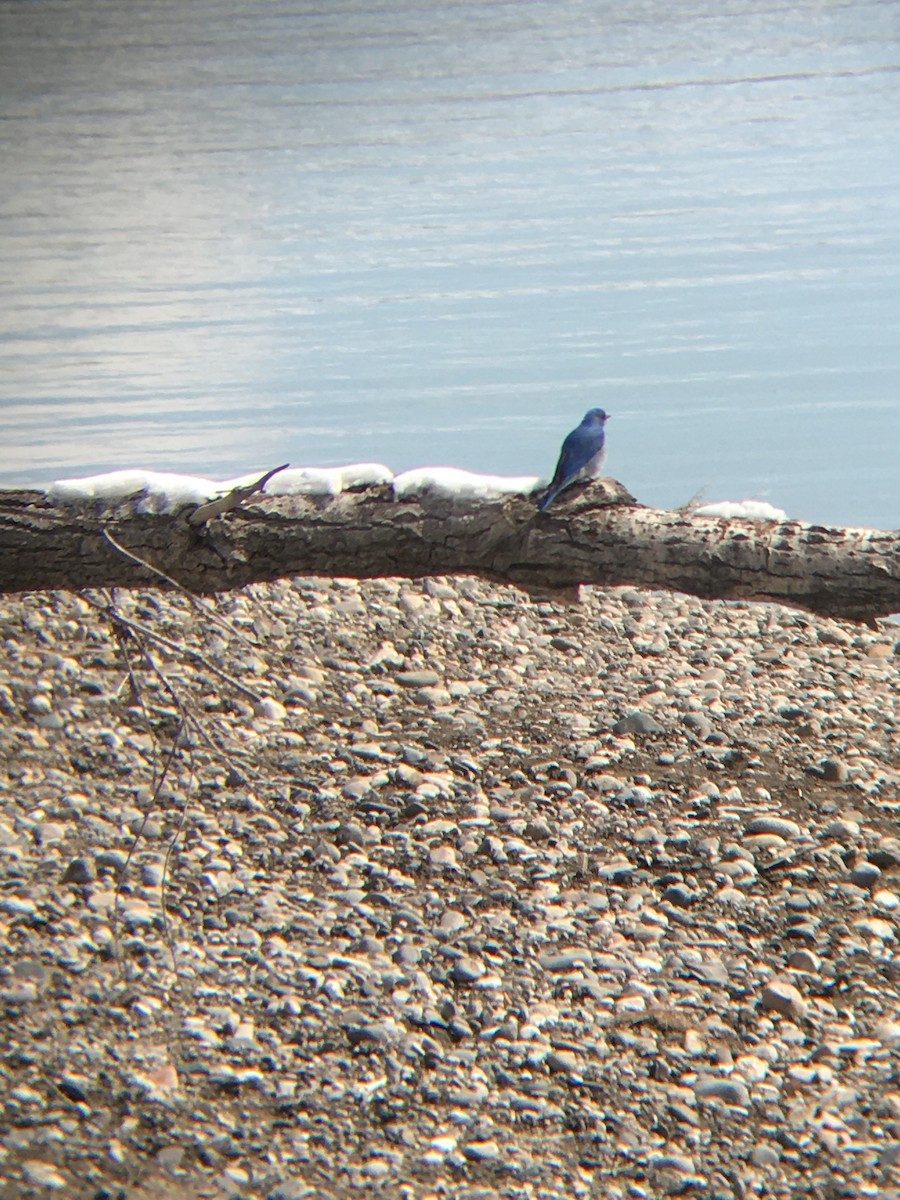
(598, 534)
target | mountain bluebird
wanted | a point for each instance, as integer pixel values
(581, 456)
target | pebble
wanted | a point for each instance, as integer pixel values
(842, 830)
(782, 997)
(780, 827)
(765, 1155)
(834, 770)
(804, 960)
(270, 709)
(418, 679)
(637, 722)
(563, 1061)
(731, 1091)
(565, 960)
(79, 870)
(43, 1175)
(467, 970)
(486, 1151)
(865, 875)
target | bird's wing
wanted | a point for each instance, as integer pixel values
(577, 451)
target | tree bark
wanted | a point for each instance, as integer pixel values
(595, 534)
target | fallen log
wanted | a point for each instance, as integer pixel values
(595, 534)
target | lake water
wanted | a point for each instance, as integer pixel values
(434, 233)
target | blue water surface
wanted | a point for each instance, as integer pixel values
(233, 235)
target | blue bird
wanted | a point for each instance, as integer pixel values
(581, 456)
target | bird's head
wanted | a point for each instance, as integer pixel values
(596, 416)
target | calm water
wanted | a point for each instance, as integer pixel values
(421, 232)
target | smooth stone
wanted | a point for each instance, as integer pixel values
(152, 874)
(865, 874)
(699, 725)
(43, 1174)
(782, 997)
(875, 927)
(290, 1189)
(672, 1162)
(771, 824)
(765, 1155)
(18, 993)
(18, 906)
(888, 1032)
(842, 830)
(79, 870)
(74, 1088)
(680, 895)
(451, 922)
(375, 1033)
(563, 1062)
(804, 960)
(886, 854)
(467, 970)
(486, 1151)
(732, 1091)
(418, 679)
(51, 721)
(566, 960)
(834, 771)
(111, 860)
(637, 722)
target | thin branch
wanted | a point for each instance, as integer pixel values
(207, 610)
(137, 627)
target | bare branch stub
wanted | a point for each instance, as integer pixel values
(233, 499)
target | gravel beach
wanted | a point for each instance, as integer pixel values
(327, 888)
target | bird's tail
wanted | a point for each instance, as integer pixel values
(547, 499)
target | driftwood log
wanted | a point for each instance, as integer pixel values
(596, 534)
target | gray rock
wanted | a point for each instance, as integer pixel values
(865, 875)
(699, 725)
(637, 723)
(44, 1175)
(768, 823)
(467, 970)
(79, 870)
(564, 1062)
(111, 860)
(765, 1155)
(291, 1189)
(804, 960)
(732, 1091)
(486, 1151)
(680, 895)
(784, 998)
(565, 960)
(418, 679)
(834, 771)
(842, 830)
(373, 1034)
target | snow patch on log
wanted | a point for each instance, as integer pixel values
(326, 481)
(165, 492)
(750, 510)
(161, 491)
(451, 481)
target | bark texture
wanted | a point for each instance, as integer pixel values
(597, 534)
